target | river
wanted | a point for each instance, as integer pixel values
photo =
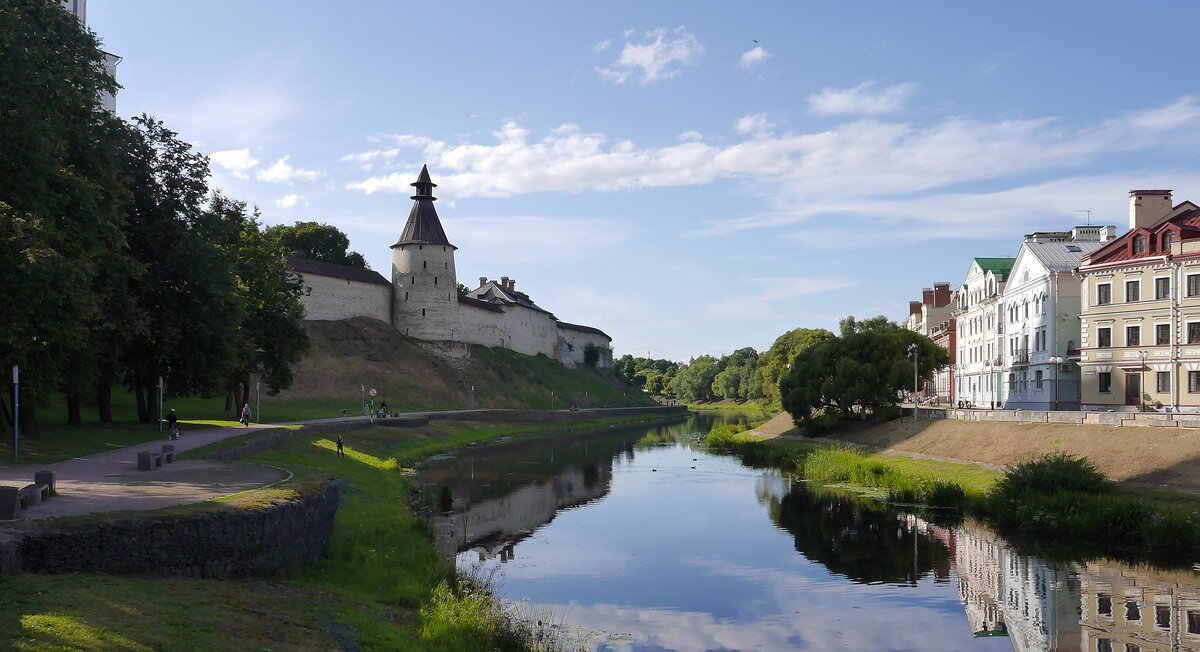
(640, 540)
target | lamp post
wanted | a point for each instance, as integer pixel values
(914, 354)
(1142, 382)
(987, 371)
(16, 414)
(1056, 360)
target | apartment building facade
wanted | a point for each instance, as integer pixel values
(980, 332)
(1140, 311)
(1040, 310)
(929, 317)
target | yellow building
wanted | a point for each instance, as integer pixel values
(1140, 311)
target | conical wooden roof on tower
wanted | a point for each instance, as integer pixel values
(423, 226)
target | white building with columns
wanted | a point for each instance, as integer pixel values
(980, 331)
(1040, 310)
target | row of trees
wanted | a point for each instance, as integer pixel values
(118, 266)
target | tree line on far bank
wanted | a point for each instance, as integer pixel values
(812, 373)
(119, 264)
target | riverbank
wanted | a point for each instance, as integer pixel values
(381, 585)
(1163, 458)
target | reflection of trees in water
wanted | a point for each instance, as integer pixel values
(863, 540)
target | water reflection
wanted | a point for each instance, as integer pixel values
(650, 543)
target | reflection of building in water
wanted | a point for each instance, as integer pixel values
(493, 525)
(1128, 610)
(1005, 593)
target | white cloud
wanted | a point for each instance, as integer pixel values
(690, 135)
(656, 55)
(752, 123)
(288, 201)
(602, 45)
(234, 113)
(281, 172)
(530, 238)
(863, 99)
(238, 161)
(881, 173)
(752, 58)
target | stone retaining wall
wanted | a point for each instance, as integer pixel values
(285, 537)
(276, 437)
(556, 416)
(1142, 419)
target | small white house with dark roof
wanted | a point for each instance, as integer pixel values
(422, 300)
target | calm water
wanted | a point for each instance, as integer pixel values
(640, 540)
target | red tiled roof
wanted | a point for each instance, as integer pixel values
(1119, 250)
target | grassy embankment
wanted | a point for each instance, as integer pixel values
(381, 585)
(1056, 504)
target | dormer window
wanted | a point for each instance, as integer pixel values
(1139, 244)
(1167, 238)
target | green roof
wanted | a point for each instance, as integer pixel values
(998, 266)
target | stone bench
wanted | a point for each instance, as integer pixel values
(32, 494)
(149, 460)
(168, 453)
(10, 503)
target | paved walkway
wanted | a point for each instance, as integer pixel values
(111, 481)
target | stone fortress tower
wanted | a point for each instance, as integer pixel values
(424, 283)
(422, 299)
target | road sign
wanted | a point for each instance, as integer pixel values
(372, 392)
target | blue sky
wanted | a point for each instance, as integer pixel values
(689, 177)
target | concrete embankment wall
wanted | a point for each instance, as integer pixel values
(556, 416)
(1145, 419)
(285, 537)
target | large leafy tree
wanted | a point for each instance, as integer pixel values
(316, 241)
(773, 364)
(270, 337)
(859, 373)
(850, 325)
(59, 200)
(694, 382)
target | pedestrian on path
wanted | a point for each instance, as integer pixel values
(172, 425)
(246, 415)
(341, 453)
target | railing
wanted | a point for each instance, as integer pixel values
(1021, 357)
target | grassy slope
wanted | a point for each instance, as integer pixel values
(345, 356)
(380, 573)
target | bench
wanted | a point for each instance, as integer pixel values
(32, 494)
(168, 453)
(10, 503)
(149, 460)
(46, 478)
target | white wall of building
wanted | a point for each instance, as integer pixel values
(338, 298)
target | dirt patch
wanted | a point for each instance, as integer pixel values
(1155, 457)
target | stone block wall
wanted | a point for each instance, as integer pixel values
(338, 298)
(285, 537)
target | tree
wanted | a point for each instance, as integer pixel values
(773, 364)
(59, 195)
(849, 325)
(694, 382)
(859, 373)
(316, 241)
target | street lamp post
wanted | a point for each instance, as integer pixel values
(987, 371)
(1056, 360)
(1142, 382)
(16, 414)
(914, 354)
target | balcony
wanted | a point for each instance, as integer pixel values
(1020, 358)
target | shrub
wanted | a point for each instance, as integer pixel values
(1052, 473)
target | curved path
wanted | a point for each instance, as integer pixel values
(110, 481)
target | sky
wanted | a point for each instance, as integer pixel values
(689, 177)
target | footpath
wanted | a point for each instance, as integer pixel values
(110, 481)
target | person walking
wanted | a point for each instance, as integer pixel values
(246, 415)
(172, 425)
(341, 453)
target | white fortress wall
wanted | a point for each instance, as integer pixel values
(521, 329)
(577, 341)
(338, 298)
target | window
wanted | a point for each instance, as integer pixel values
(1194, 381)
(1104, 337)
(424, 264)
(1037, 380)
(1130, 647)
(422, 312)
(1193, 332)
(1162, 288)
(1167, 238)
(1104, 293)
(1132, 611)
(1104, 605)
(1133, 291)
(1162, 333)
(1105, 382)
(1133, 335)
(1193, 285)
(1193, 622)
(1104, 645)
(1162, 612)
(1139, 244)
(1162, 382)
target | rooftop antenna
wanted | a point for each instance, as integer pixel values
(1089, 214)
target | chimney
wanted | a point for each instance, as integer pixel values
(927, 296)
(482, 281)
(512, 284)
(1148, 207)
(941, 294)
(504, 282)
(914, 308)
